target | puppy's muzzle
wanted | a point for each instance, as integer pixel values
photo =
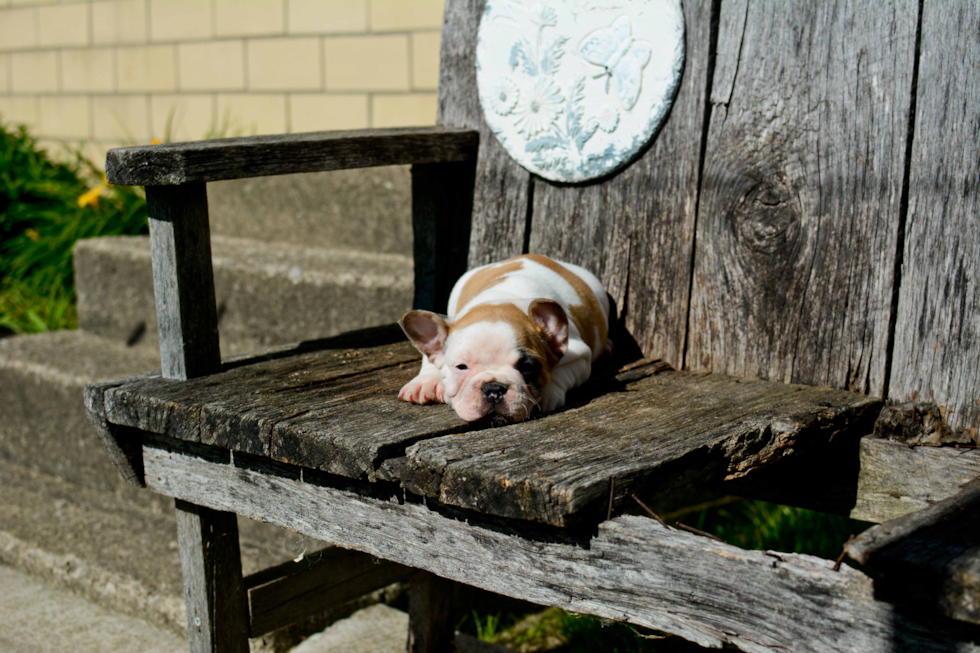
(494, 391)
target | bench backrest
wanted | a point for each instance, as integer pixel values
(807, 213)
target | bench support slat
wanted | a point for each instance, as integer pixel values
(431, 618)
(217, 617)
(285, 594)
(632, 570)
(183, 280)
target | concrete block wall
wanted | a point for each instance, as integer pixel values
(104, 73)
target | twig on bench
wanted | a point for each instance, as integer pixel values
(840, 558)
(650, 512)
(698, 531)
(612, 490)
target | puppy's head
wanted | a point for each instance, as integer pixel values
(496, 360)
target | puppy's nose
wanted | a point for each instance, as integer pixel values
(494, 391)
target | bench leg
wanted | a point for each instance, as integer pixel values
(431, 622)
(217, 614)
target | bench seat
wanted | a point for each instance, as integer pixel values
(332, 406)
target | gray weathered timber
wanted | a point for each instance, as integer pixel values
(259, 156)
(929, 559)
(217, 616)
(326, 579)
(183, 281)
(917, 423)
(800, 195)
(122, 444)
(937, 331)
(442, 202)
(336, 410)
(896, 479)
(632, 570)
(431, 614)
(635, 230)
(654, 429)
(500, 200)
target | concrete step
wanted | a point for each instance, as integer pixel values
(267, 293)
(121, 553)
(367, 209)
(42, 415)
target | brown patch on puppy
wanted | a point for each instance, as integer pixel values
(528, 334)
(589, 312)
(487, 278)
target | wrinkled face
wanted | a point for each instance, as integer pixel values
(496, 360)
(488, 373)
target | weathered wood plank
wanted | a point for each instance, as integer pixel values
(337, 410)
(293, 591)
(655, 430)
(929, 559)
(896, 479)
(635, 230)
(501, 195)
(431, 614)
(442, 203)
(123, 444)
(217, 617)
(632, 570)
(937, 331)
(800, 196)
(183, 280)
(258, 156)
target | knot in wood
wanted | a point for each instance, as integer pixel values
(766, 220)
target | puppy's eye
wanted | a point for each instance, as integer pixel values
(529, 367)
(461, 367)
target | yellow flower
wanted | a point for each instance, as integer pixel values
(91, 198)
(33, 234)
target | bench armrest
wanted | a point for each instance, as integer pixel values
(259, 156)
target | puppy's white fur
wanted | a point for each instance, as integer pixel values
(482, 360)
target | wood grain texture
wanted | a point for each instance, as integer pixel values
(122, 444)
(431, 614)
(937, 331)
(896, 479)
(631, 570)
(635, 230)
(336, 410)
(930, 559)
(500, 199)
(259, 156)
(214, 592)
(655, 430)
(800, 200)
(292, 591)
(442, 203)
(183, 280)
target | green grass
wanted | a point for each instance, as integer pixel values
(46, 206)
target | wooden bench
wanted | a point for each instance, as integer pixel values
(797, 246)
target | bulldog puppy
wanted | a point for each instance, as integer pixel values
(519, 334)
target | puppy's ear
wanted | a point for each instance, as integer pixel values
(426, 330)
(553, 322)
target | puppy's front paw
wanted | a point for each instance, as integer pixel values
(553, 399)
(423, 389)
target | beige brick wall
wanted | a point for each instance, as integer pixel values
(94, 74)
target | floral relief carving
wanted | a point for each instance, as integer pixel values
(573, 89)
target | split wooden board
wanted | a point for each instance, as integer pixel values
(650, 428)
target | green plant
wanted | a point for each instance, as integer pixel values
(46, 206)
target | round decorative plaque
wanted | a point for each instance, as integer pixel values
(573, 89)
